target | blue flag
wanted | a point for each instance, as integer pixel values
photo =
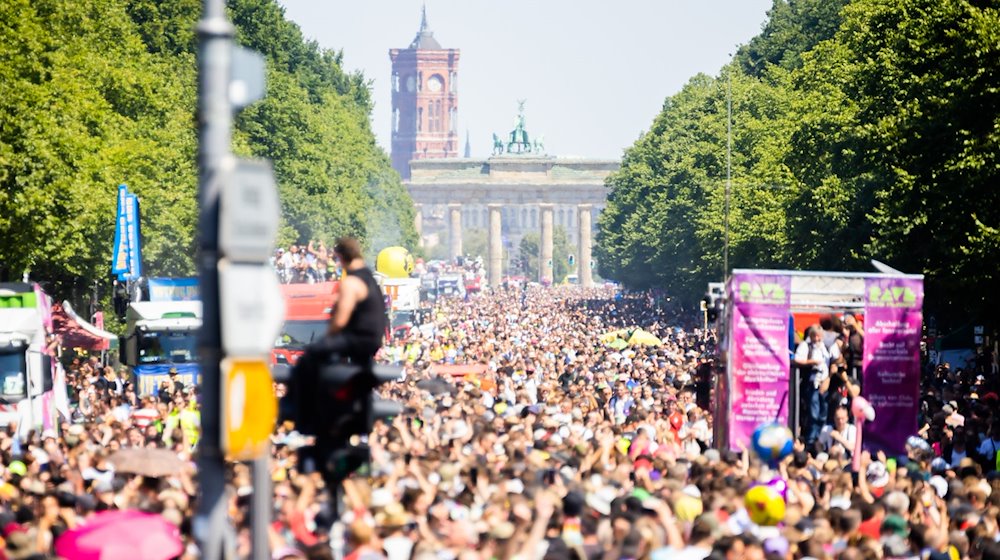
(133, 234)
(119, 258)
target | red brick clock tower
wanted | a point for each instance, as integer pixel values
(424, 101)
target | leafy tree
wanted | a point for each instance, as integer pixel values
(529, 252)
(475, 243)
(73, 126)
(793, 27)
(527, 257)
(102, 92)
(864, 129)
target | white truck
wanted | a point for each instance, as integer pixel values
(161, 336)
(26, 367)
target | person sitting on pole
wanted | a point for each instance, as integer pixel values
(356, 329)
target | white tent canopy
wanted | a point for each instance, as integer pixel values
(83, 324)
(825, 291)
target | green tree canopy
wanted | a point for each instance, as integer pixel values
(529, 252)
(863, 129)
(102, 92)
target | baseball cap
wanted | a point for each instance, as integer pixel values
(877, 475)
(940, 485)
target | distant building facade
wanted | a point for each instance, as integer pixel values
(509, 196)
(520, 189)
(424, 101)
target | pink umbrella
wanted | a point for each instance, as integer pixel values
(121, 535)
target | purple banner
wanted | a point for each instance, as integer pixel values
(759, 364)
(893, 316)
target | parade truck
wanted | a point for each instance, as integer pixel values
(402, 297)
(450, 285)
(161, 337)
(428, 286)
(473, 282)
(307, 318)
(26, 365)
(762, 316)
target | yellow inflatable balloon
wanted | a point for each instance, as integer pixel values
(765, 505)
(394, 262)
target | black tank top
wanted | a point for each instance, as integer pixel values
(367, 323)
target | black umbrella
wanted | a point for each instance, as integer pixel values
(437, 386)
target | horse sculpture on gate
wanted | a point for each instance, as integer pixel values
(519, 140)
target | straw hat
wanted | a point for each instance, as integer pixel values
(392, 516)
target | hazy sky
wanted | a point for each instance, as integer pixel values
(594, 72)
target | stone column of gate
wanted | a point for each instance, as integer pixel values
(418, 223)
(495, 259)
(586, 245)
(455, 231)
(545, 259)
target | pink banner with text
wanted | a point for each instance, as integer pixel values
(891, 383)
(759, 366)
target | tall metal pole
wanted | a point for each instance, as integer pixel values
(729, 168)
(260, 511)
(215, 116)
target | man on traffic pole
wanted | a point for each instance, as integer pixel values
(357, 326)
(357, 323)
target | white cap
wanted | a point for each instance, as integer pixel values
(940, 485)
(692, 490)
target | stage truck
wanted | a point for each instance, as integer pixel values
(162, 335)
(762, 321)
(27, 370)
(402, 302)
(307, 317)
(450, 285)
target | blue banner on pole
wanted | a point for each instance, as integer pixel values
(173, 289)
(134, 242)
(119, 258)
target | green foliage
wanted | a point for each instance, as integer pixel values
(864, 129)
(100, 92)
(793, 27)
(475, 243)
(87, 107)
(529, 252)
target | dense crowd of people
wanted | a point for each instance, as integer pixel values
(305, 264)
(527, 435)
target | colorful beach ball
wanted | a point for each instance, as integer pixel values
(765, 505)
(772, 443)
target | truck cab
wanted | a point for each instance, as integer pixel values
(25, 365)
(450, 285)
(307, 318)
(161, 336)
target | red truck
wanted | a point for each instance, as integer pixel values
(307, 315)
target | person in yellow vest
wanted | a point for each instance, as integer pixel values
(413, 352)
(437, 353)
(184, 421)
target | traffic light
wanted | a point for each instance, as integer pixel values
(336, 401)
(714, 303)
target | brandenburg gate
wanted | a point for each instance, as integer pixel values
(510, 194)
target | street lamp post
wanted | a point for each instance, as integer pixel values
(729, 169)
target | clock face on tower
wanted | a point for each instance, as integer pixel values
(411, 84)
(434, 83)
